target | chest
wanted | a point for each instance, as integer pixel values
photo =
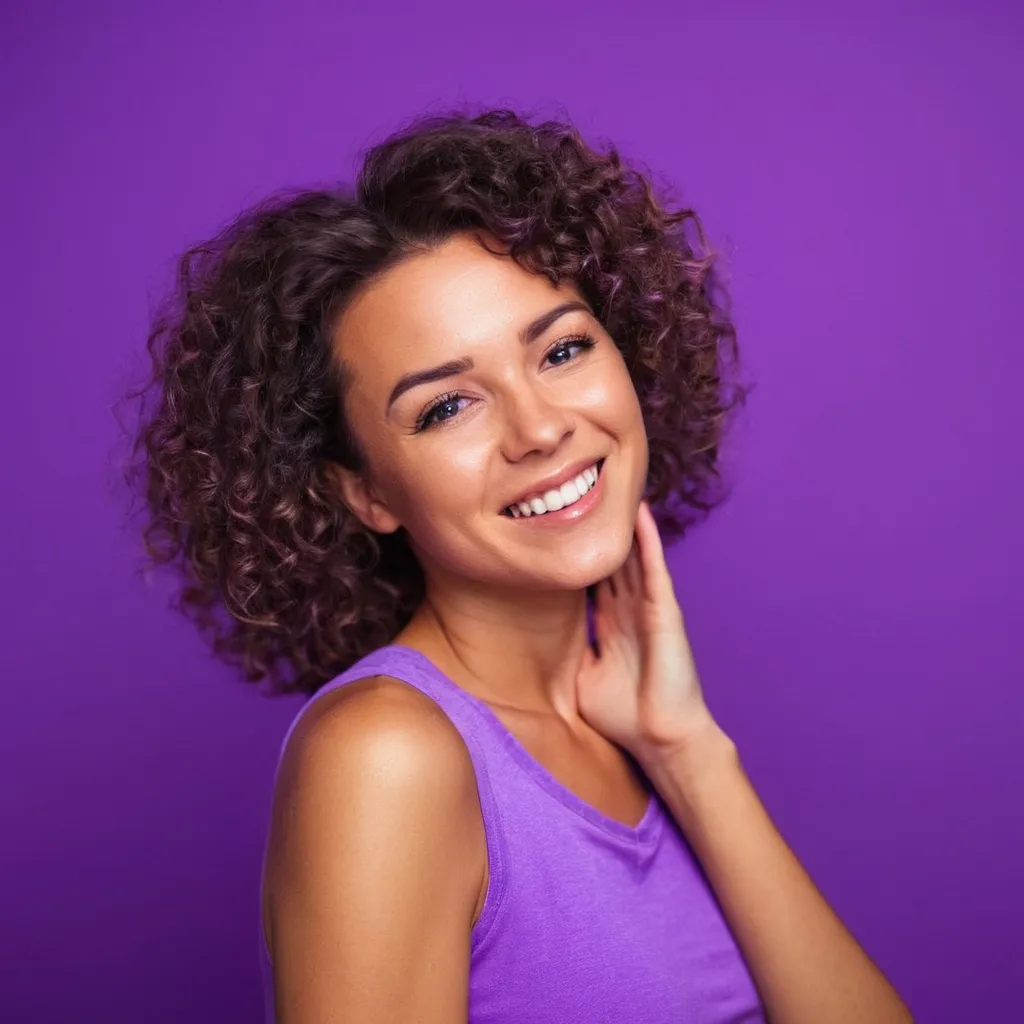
(600, 935)
(584, 763)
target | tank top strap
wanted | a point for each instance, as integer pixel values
(409, 666)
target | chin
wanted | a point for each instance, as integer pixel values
(577, 570)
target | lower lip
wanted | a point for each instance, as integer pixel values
(571, 513)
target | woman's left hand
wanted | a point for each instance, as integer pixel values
(641, 691)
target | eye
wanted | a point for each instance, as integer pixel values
(567, 349)
(440, 411)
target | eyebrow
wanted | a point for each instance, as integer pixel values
(531, 332)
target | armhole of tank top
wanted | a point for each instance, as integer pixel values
(468, 727)
(494, 831)
(494, 837)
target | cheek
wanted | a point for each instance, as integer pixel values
(616, 409)
(611, 399)
(439, 506)
(436, 488)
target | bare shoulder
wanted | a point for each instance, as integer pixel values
(377, 716)
(380, 747)
(376, 851)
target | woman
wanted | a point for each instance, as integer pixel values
(409, 434)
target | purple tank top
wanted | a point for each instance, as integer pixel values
(585, 918)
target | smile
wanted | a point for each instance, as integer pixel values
(556, 499)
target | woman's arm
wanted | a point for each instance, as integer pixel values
(807, 966)
(641, 690)
(374, 866)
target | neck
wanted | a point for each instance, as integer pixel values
(513, 648)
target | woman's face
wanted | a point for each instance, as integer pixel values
(485, 399)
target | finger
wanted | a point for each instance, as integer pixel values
(601, 633)
(588, 660)
(612, 615)
(623, 580)
(604, 596)
(611, 633)
(620, 583)
(657, 583)
(633, 571)
(628, 577)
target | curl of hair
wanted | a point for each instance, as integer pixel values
(242, 415)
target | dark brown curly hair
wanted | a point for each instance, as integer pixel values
(244, 412)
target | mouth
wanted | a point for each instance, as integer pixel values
(556, 498)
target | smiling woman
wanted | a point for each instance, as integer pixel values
(249, 411)
(402, 434)
(521, 390)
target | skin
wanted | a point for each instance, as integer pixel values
(523, 412)
(363, 927)
(505, 610)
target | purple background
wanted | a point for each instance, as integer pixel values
(855, 608)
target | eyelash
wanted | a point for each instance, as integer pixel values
(426, 419)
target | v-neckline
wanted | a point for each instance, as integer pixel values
(644, 832)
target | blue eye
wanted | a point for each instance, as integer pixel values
(563, 352)
(447, 407)
(440, 411)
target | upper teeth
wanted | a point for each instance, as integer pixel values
(557, 497)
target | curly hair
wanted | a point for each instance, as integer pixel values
(243, 413)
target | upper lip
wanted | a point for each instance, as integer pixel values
(555, 480)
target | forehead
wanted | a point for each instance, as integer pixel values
(440, 305)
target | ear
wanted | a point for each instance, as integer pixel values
(362, 501)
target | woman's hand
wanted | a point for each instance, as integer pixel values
(641, 690)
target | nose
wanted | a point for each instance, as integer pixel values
(534, 423)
